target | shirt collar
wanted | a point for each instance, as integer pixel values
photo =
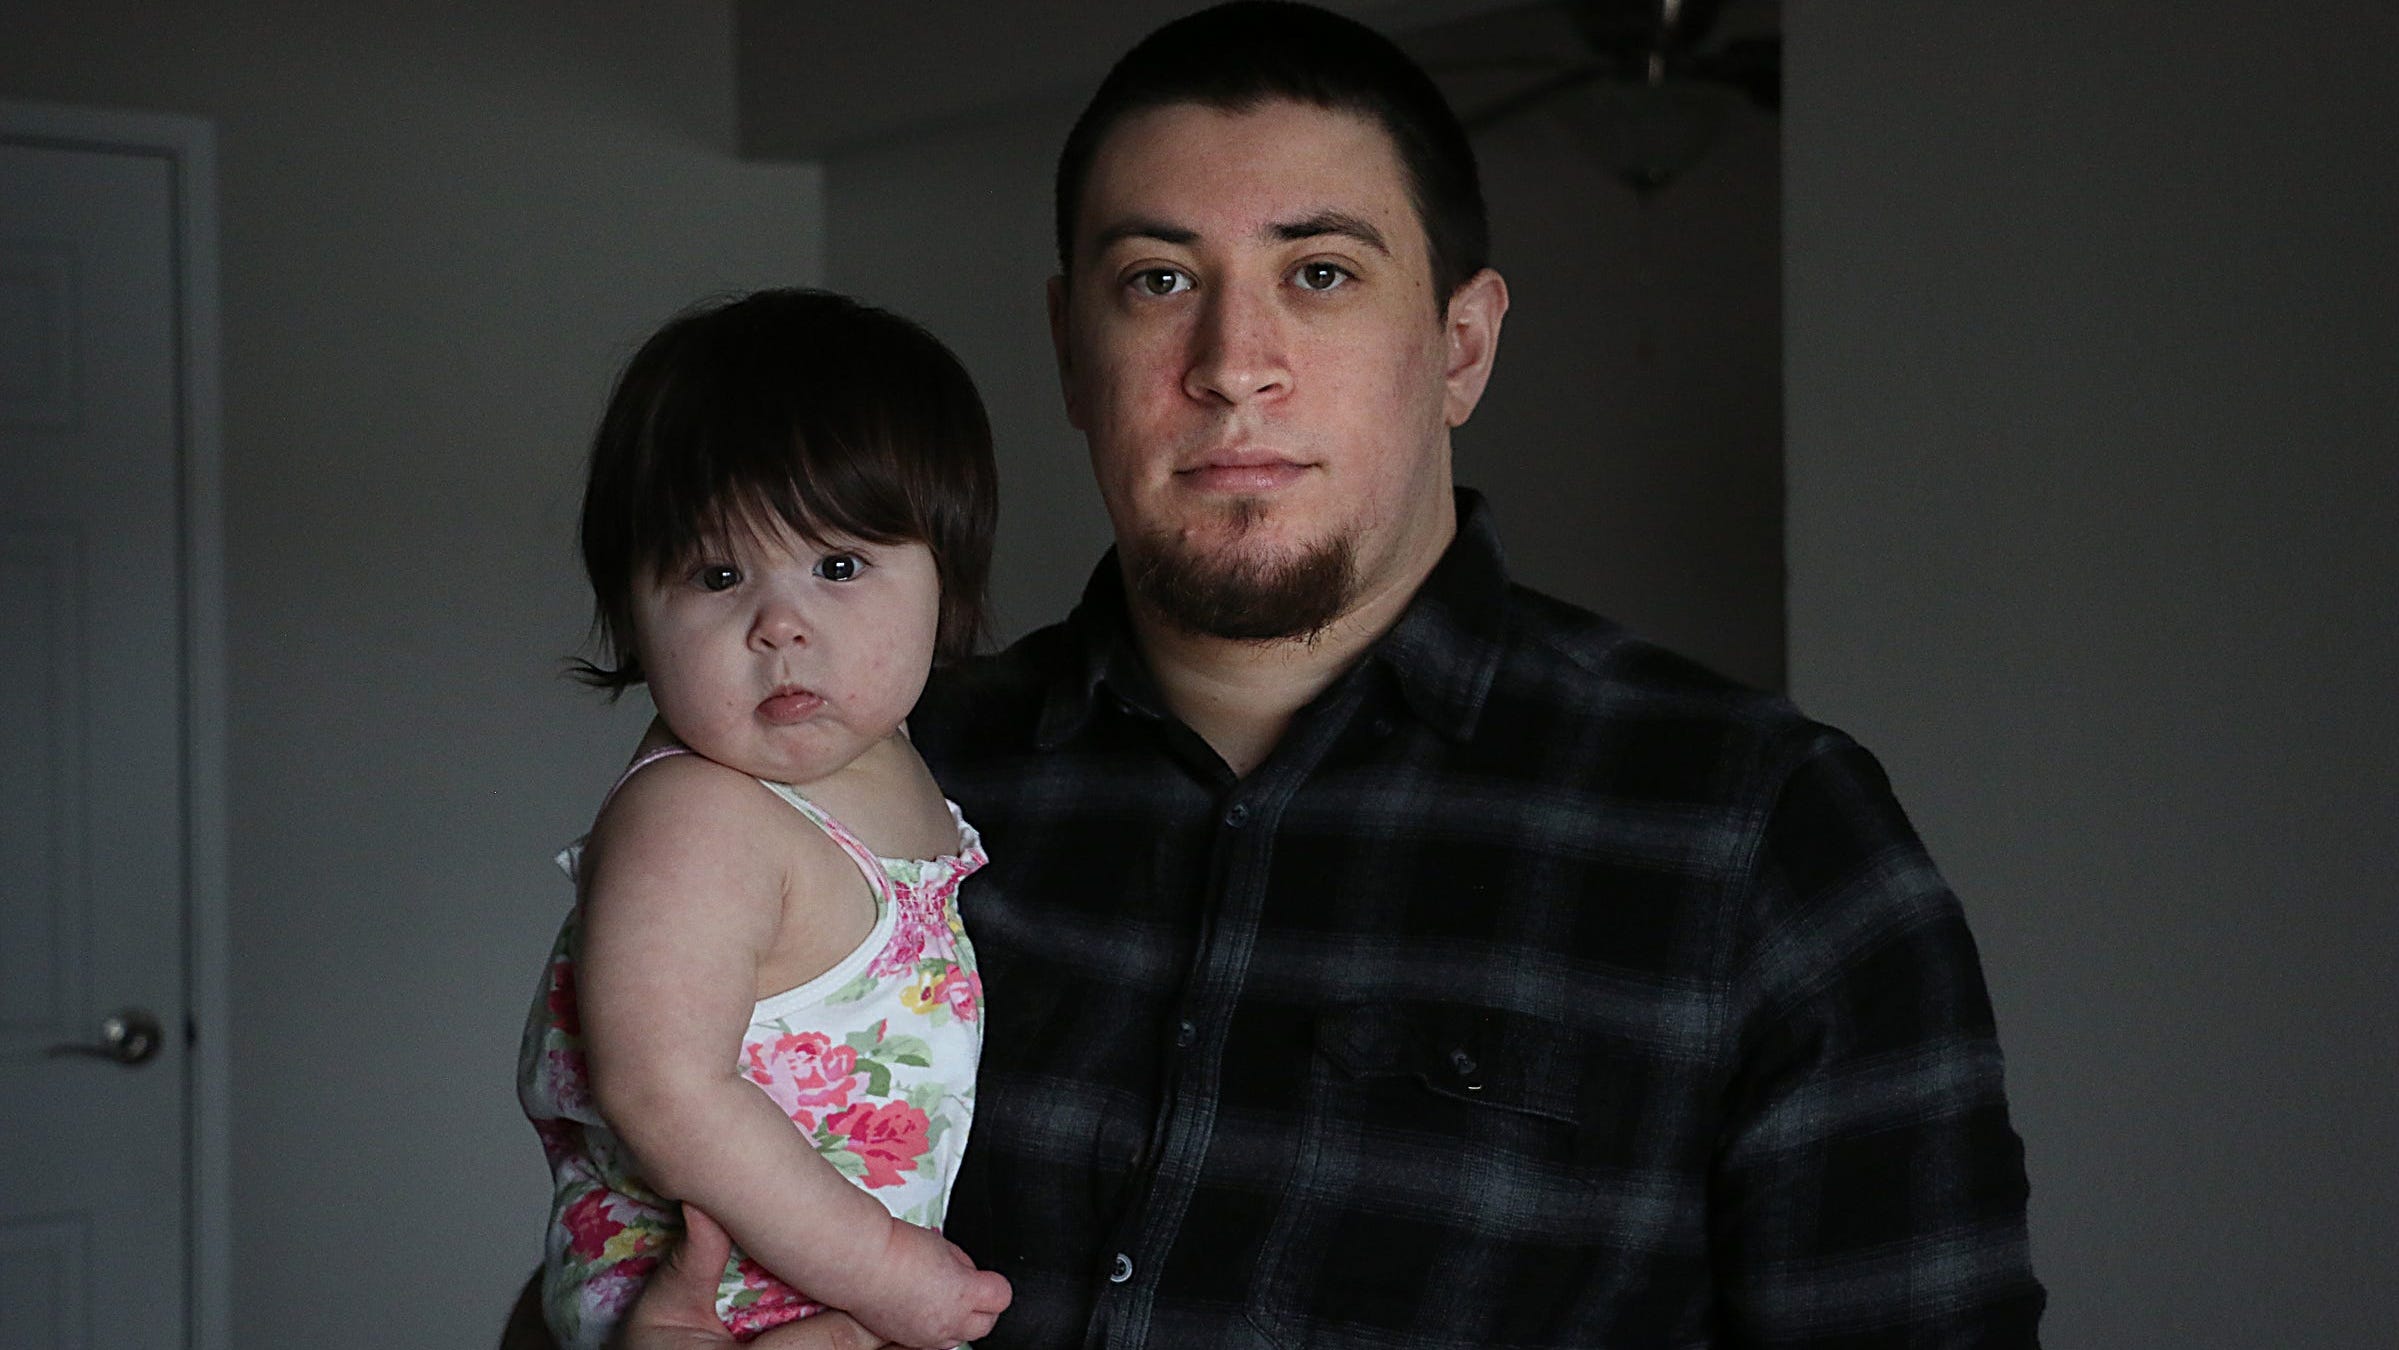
(1446, 647)
(1441, 654)
(1102, 653)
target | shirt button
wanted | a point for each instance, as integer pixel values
(1186, 1032)
(1466, 1068)
(1123, 1269)
(1236, 815)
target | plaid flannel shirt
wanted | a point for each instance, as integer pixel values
(1541, 989)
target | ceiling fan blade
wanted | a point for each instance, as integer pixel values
(1508, 106)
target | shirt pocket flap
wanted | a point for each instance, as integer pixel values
(1483, 1056)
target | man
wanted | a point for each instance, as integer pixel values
(1379, 953)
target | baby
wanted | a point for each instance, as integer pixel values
(763, 1001)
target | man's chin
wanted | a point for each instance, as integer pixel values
(1238, 593)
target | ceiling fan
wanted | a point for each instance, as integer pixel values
(1648, 88)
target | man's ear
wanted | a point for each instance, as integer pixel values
(1471, 327)
(1062, 347)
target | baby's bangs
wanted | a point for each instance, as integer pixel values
(816, 498)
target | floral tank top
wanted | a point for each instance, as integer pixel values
(874, 1061)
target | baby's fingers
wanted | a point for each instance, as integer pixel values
(990, 1295)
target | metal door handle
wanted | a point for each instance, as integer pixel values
(131, 1036)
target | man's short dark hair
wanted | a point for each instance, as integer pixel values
(801, 407)
(1236, 56)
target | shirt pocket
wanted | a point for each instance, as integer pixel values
(1482, 1058)
(1448, 1187)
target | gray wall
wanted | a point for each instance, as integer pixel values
(443, 228)
(1632, 436)
(953, 229)
(2093, 385)
(1643, 485)
(2093, 327)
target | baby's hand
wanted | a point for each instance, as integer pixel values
(932, 1297)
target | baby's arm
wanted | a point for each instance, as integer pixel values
(684, 897)
(677, 1309)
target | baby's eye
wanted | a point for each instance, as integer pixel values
(1320, 276)
(1162, 281)
(840, 566)
(717, 576)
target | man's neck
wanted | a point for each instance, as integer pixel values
(1240, 696)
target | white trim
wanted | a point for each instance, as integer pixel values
(188, 144)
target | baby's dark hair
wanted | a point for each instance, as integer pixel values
(799, 406)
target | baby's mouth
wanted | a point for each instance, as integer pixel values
(788, 704)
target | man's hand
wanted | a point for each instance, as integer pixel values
(677, 1311)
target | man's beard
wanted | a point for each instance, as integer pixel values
(1243, 598)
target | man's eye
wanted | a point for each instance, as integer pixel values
(1320, 276)
(840, 566)
(717, 577)
(1162, 281)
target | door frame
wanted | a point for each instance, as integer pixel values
(188, 147)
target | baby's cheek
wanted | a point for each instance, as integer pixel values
(870, 685)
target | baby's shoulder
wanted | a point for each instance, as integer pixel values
(687, 817)
(682, 795)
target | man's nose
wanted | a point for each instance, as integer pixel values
(1237, 349)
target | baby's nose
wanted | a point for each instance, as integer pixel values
(778, 626)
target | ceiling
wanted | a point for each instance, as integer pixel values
(818, 79)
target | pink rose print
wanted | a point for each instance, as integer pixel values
(570, 1082)
(962, 990)
(906, 948)
(614, 1289)
(887, 1138)
(564, 1016)
(920, 928)
(755, 1276)
(589, 1225)
(806, 1074)
(559, 1138)
(775, 1304)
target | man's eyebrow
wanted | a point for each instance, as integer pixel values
(1330, 222)
(1141, 227)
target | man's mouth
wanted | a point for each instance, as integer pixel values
(1241, 470)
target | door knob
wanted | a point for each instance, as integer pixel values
(131, 1036)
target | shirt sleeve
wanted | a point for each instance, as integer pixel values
(1868, 1190)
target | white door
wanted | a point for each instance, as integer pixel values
(95, 1161)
